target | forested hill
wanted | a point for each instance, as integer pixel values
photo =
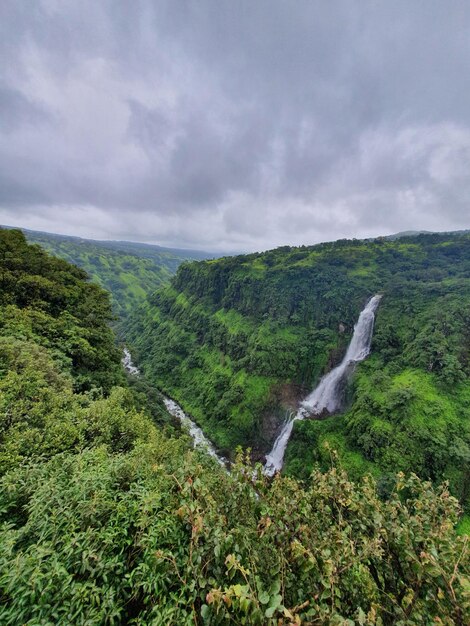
(235, 339)
(106, 519)
(46, 304)
(128, 270)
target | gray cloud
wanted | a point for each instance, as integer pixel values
(234, 125)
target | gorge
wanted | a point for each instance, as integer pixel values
(239, 342)
(326, 397)
(108, 515)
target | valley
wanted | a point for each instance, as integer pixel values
(240, 341)
(108, 512)
(128, 270)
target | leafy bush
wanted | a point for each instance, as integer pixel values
(157, 536)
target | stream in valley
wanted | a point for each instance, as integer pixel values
(196, 434)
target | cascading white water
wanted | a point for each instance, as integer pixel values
(196, 434)
(128, 365)
(198, 437)
(327, 395)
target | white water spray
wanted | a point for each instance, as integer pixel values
(196, 434)
(327, 395)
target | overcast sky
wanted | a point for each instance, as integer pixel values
(234, 125)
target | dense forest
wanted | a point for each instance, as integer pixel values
(129, 271)
(239, 340)
(107, 516)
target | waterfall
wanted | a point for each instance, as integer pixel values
(196, 434)
(327, 396)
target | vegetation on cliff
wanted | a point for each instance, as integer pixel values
(232, 338)
(409, 406)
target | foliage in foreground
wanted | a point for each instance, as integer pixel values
(48, 302)
(156, 536)
(62, 387)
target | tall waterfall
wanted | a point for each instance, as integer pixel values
(196, 434)
(327, 396)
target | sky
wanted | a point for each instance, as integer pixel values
(234, 125)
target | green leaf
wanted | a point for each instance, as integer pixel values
(270, 611)
(275, 601)
(264, 597)
(361, 616)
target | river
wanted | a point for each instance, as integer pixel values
(199, 439)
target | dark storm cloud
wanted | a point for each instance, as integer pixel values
(234, 125)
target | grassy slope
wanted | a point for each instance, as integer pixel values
(234, 339)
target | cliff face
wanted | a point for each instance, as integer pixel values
(229, 336)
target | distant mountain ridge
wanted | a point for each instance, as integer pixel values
(130, 271)
(408, 233)
(415, 233)
(146, 250)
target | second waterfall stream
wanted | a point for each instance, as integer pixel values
(327, 396)
(196, 434)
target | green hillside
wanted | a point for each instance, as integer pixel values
(106, 519)
(129, 271)
(239, 340)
